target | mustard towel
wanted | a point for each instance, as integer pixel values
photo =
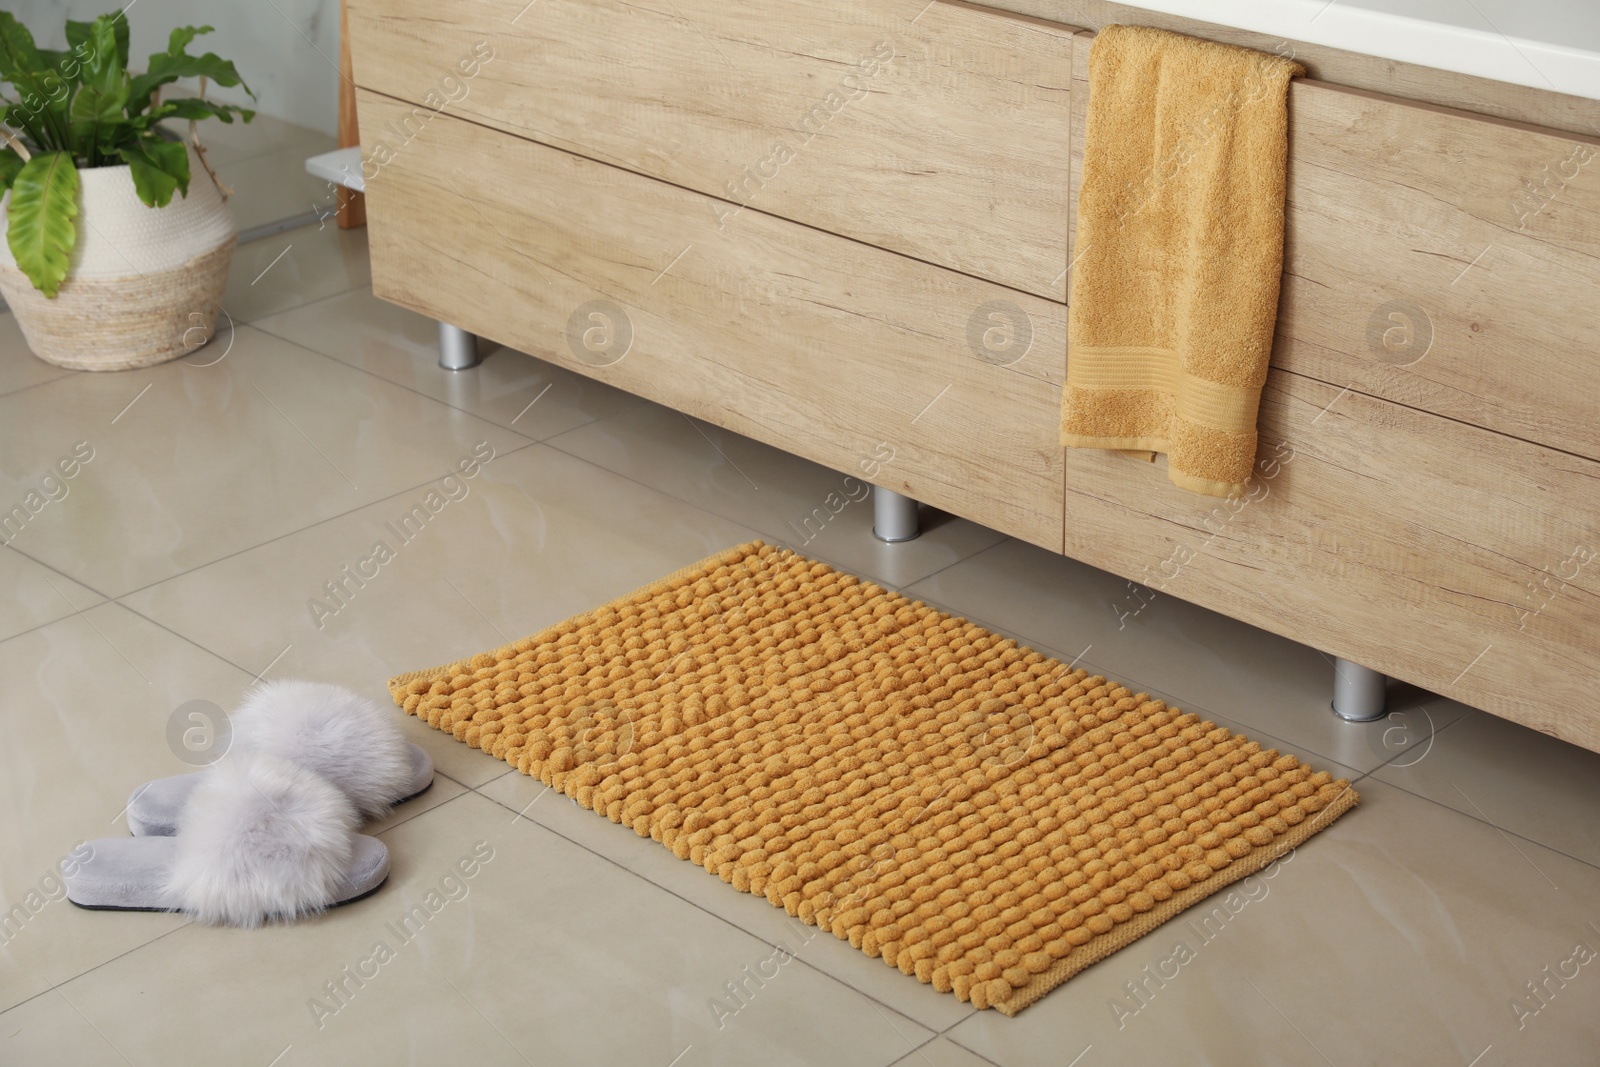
(1179, 252)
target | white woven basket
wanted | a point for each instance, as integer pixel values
(144, 284)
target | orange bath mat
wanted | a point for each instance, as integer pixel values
(970, 811)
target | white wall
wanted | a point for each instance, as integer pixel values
(287, 50)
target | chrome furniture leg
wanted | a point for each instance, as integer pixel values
(458, 349)
(1357, 692)
(894, 517)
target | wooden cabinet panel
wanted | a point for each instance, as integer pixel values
(1453, 557)
(811, 342)
(1445, 261)
(938, 130)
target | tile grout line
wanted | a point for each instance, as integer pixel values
(1188, 706)
(1004, 539)
(251, 322)
(291, 533)
(401, 385)
(1453, 722)
(918, 1050)
(68, 981)
(190, 922)
(1485, 822)
(698, 907)
(527, 441)
(36, 385)
(119, 600)
(765, 535)
(466, 792)
(64, 577)
(1114, 676)
(946, 1035)
(378, 377)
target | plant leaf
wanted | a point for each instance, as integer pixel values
(103, 95)
(80, 39)
(189, 108)
(158, 167)
(175, 63)
(44, 201)
(97, 125)
(119, 32)
(19, 56)
(10, 163)
(165, 68)
(43, 92)
(183, 36)
(78, 36)
(102, 68)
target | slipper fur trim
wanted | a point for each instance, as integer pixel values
(260, 838)
(348, 739)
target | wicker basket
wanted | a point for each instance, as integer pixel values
(145, 284)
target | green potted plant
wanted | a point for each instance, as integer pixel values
(113, 257)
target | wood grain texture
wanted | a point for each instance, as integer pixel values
(1458, 559)
(1438, 259)
(1357, 70)
(1077, 125)
(352, 210)
(819, 345)
(937, 130)
(1445, 262)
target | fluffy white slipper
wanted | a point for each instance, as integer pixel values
(339, 734)
(261, 838)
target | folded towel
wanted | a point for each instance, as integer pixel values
(1179, 252)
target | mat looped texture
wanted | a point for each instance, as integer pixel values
(968, 810)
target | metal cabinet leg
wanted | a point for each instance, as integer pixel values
(458, 349)
(894, 517)
(1357, 692)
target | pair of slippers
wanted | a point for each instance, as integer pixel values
(270, 830)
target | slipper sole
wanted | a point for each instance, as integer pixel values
(131, 873)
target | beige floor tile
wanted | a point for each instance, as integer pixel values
(443, 790)
(289, 269)
(446, 752)
(274, 185)
(811, 509)
(34, 593)
(19, 367)
(1195, 656)
(533, 397)
(942, 1052)
(49, 1030)
(1402, 934)
(546, 954)
(535, 537)
(1518, 779)
(86, 712)
(528, 798)
(191, 463)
